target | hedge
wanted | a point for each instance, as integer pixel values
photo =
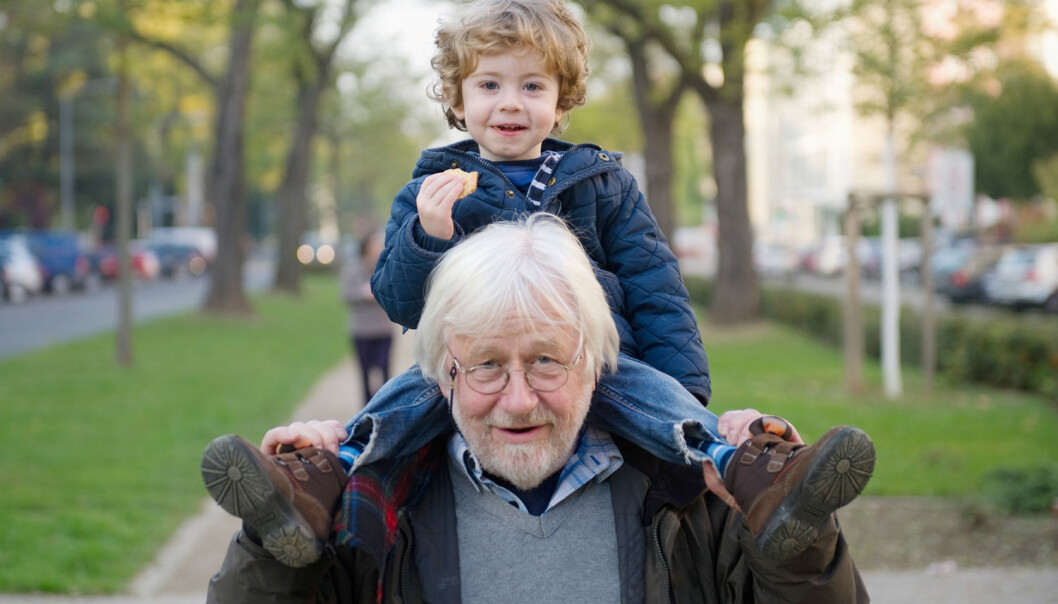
(1004, 351)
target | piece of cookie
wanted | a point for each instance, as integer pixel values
(470, 181)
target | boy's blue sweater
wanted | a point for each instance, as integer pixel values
(602, 203)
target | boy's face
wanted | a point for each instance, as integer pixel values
(510, 104)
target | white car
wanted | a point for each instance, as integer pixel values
(203, 239)
(20, 273)
(1025, 276)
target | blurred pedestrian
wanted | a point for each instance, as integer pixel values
(370, 330)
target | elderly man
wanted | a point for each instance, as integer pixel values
(522, 501)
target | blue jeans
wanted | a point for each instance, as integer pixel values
(636, 402)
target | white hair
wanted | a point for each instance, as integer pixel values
(533, 269)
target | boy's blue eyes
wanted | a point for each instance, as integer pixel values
(531, 87)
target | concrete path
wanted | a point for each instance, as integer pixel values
(180, 572)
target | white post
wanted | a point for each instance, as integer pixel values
(890, 278)
(196, 189)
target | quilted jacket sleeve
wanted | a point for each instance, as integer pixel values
(399, 281)
(657, 305)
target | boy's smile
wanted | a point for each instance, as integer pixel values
(510, 104)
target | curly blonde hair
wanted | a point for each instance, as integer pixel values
(486, 27)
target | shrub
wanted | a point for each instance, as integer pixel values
(1022, 491)
(1005, 352)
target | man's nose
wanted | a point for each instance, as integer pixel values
(518, 397)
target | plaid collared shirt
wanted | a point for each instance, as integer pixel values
(595, 458)
(542, 180)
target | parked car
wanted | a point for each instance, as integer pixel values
(145, 264)
(947, 260)
(20, 273)
(1025, 276)
(203, 239)
(774, 259)
(63, 262)
(317, 252)
(1051, 305)
(966, 284)
(177, 260)
(830, 256)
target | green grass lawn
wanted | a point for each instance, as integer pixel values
(938, 443)
(102, 462)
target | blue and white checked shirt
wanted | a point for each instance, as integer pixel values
(596, 458)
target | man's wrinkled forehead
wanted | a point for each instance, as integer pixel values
(507, 334)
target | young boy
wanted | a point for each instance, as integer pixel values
(509, 73)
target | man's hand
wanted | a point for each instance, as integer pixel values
(437, 196)
(327, 434)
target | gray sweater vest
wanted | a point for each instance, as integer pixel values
(567, 554)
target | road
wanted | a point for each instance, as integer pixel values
(911, 296)
(49, 320)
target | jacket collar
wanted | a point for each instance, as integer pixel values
(465, 153)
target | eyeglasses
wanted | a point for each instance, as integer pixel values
(543, 375)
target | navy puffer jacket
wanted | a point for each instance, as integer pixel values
(601, 202)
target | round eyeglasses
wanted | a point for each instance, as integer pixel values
(543, 375)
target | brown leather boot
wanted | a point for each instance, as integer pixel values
(787, 490)
(288, 499)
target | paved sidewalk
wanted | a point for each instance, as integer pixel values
(180, 572)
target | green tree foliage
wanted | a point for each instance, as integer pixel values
(45, 55)
(373, 132)
(1012, 129)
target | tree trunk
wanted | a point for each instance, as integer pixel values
(226, 187)
(736, 294)
(123, 202)
(294, 189)
(655, 119)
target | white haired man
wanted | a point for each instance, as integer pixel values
(523, 501)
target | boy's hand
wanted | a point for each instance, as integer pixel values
(734, 426)
(326, 435)
(437, 195)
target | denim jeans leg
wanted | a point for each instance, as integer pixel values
(403, 416)
(654, 411)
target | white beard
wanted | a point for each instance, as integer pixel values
(523, 465)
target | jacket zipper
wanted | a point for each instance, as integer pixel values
(492, 166)
(661, 557)
(496, 169)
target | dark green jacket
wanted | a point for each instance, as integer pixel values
(696, 550)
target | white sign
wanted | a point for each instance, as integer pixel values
(950, 180)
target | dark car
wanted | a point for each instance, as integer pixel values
(967, 283)
(64, 264)
(177, 260)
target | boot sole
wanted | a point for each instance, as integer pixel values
(838, 475)
(238, 481)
